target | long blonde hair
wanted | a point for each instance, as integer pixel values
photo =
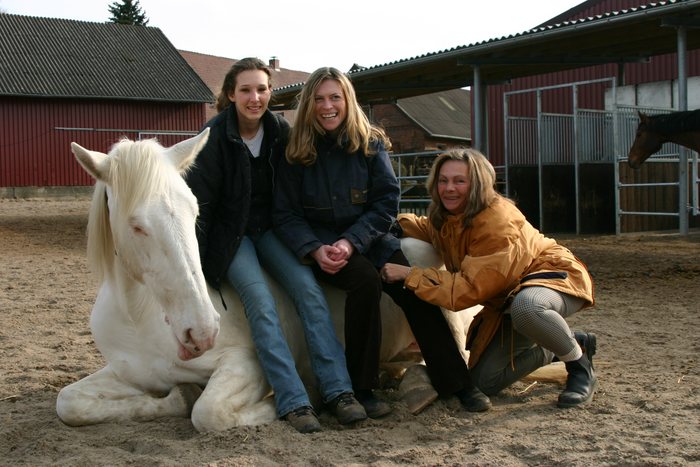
(482, 178)
(356, 131)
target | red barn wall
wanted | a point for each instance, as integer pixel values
(35, 134)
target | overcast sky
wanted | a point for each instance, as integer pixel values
(307, 34)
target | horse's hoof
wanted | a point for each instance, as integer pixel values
(416, 390)
(418, 399)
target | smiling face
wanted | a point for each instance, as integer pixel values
(251, 95)
(454, 186)
(330, 105)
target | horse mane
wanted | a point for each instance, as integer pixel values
(136, 173)
(675, 122)
(100, 245)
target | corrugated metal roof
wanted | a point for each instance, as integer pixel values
(623, 36)
(540, 29)
(51, 57)
(445, 114)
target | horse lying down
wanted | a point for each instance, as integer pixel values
(163, 332)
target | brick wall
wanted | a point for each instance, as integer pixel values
(405, 135)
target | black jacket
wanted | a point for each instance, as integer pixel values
(221, 181)
(341, 195)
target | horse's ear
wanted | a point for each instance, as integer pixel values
(95, 163)
(182, 155)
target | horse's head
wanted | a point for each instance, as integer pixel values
(141, 235)
(646, 143)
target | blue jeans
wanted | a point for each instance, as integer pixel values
(326, 352)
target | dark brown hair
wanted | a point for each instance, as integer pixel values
(244, 64)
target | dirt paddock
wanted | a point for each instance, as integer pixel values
(647, 411)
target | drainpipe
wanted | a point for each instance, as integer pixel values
(477, 137)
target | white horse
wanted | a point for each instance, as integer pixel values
(163, 332)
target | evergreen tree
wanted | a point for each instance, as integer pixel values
(127, 12)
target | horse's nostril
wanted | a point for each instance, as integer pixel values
(196, 349)
(188, 336)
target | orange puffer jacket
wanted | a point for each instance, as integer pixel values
(488, 263)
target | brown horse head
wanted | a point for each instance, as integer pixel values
(646, 142)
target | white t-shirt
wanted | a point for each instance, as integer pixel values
(255, 143)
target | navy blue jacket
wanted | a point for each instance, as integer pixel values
(341, 195)
(221, 181)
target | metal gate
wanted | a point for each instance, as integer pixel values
(628, 120)
(536, 136)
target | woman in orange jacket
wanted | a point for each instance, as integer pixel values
(527, 283)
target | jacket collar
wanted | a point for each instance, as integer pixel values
(270, 124)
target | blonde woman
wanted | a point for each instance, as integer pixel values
(337, 201)
(527, 282)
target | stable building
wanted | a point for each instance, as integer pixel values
(554, 109)
(92, 83)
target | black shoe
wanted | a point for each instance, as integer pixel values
(304, 420)
(374, 407)
(581, 383)
(473, 400)
(346, 409)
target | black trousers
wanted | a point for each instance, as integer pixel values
(447, 369)
(360, 279)
(363, 325)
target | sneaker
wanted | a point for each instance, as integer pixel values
(346, 409)
(473, 400)
(374, 407)
(304, 420)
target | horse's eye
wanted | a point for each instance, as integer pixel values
(139, 231)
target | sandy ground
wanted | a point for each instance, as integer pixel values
(647, 411)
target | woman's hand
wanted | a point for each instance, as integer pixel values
(391, 272)
(329, 258)
(344, 248)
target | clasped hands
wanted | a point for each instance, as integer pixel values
(333, 258)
